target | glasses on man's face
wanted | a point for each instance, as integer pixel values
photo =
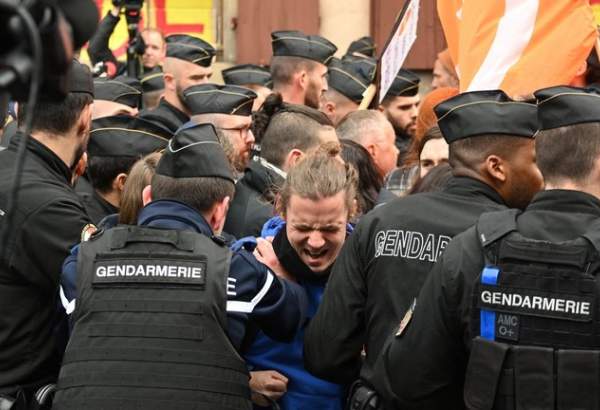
(244, 131)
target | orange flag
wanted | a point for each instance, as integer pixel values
(518, 46)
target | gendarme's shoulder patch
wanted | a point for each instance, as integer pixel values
(407, 318)
(535, 303)
(161, 271)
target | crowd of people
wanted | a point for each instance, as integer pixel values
(265, 243)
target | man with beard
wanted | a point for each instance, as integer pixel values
(292, 131)
(388, 257)
(401, 106)
(299, 66)
(188, 63)
(508, 316)
(48, 221)
(348, 80)
(229, 109)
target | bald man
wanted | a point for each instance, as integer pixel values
(188, 63)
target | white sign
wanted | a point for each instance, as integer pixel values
(398, 47)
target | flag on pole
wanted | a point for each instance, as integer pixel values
(518, 46)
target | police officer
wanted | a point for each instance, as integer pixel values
(252, 76)
(119, 95)
(153, 87)
(386, 260)
(348, 80)
(48, 222)
(188, 63)
(299, 66)
(515, 296)
(363, 47)
(162, 306)
(116, 143)
(229, 109)
(401, 106)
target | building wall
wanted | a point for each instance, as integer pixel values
(340, 22)
(344, 22)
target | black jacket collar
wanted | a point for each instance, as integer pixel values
(177, 113)
(563, 200)
(43, 154)
(470, 187)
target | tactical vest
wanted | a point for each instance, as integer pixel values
(535, 321)
(149, 326)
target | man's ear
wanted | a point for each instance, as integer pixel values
(119, 182)
(329, 109)
(381, 108)
(218, 215)
(292, 158)
(169, 80)
(302, 79)
(372, 151)
(496, 168)
(147, 195)
(84, 124)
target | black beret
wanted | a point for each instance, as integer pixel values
(153, 80)
(219, 99)
(247, 74)
(406, 84)
(121, 89)
(188, 48)
(297, 44)
(562, 106)
(351, 76)
(364, 45)
(485, 112)
(195, 152)
(126, 136)
(80, 79)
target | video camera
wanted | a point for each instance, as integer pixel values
(136, 47)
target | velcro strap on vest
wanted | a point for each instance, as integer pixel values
(577, 381)
(534, 377)
(145, 331)
(123, 236)
(484, 373)
(159, 306)
(158, 381)
(154, 356)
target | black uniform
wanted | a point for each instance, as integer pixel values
(380, 271)
(433, 348)
(96, 207)
(161, 320)
(252, 204)
(166, 115)
(49, 222)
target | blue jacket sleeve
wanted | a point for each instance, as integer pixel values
(278, 307)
